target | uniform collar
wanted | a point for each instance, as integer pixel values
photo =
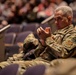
(65, 30)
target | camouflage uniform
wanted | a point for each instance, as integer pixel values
(60, 45)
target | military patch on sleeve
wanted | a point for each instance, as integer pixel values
(74, 39)
(69, 43)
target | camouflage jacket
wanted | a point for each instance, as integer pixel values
(62, 44)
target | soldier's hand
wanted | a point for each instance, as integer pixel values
(44, 33)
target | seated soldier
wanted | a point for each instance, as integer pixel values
(61, 44)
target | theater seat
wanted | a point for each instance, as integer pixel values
(35, 70)
(21, 36)
(9, 38)
(32, 27)
(10, 70)
(14, 28)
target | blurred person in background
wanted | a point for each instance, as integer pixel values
(44, 9)
(61, 3)
(27, 13)
(73, 5)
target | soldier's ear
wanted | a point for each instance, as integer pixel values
(69, 18)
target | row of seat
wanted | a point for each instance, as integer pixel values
(21, 28)
(13, 38)
(27, 27)
(17, 33)
(13, 69)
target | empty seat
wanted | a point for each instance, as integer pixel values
(21, 36)
(10, 50)
(14, 28)
(35, 70)
(31, 27)
(9, 38)
(10, 70)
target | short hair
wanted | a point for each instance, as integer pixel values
(67, 11)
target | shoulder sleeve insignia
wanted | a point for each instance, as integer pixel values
(68, 44)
